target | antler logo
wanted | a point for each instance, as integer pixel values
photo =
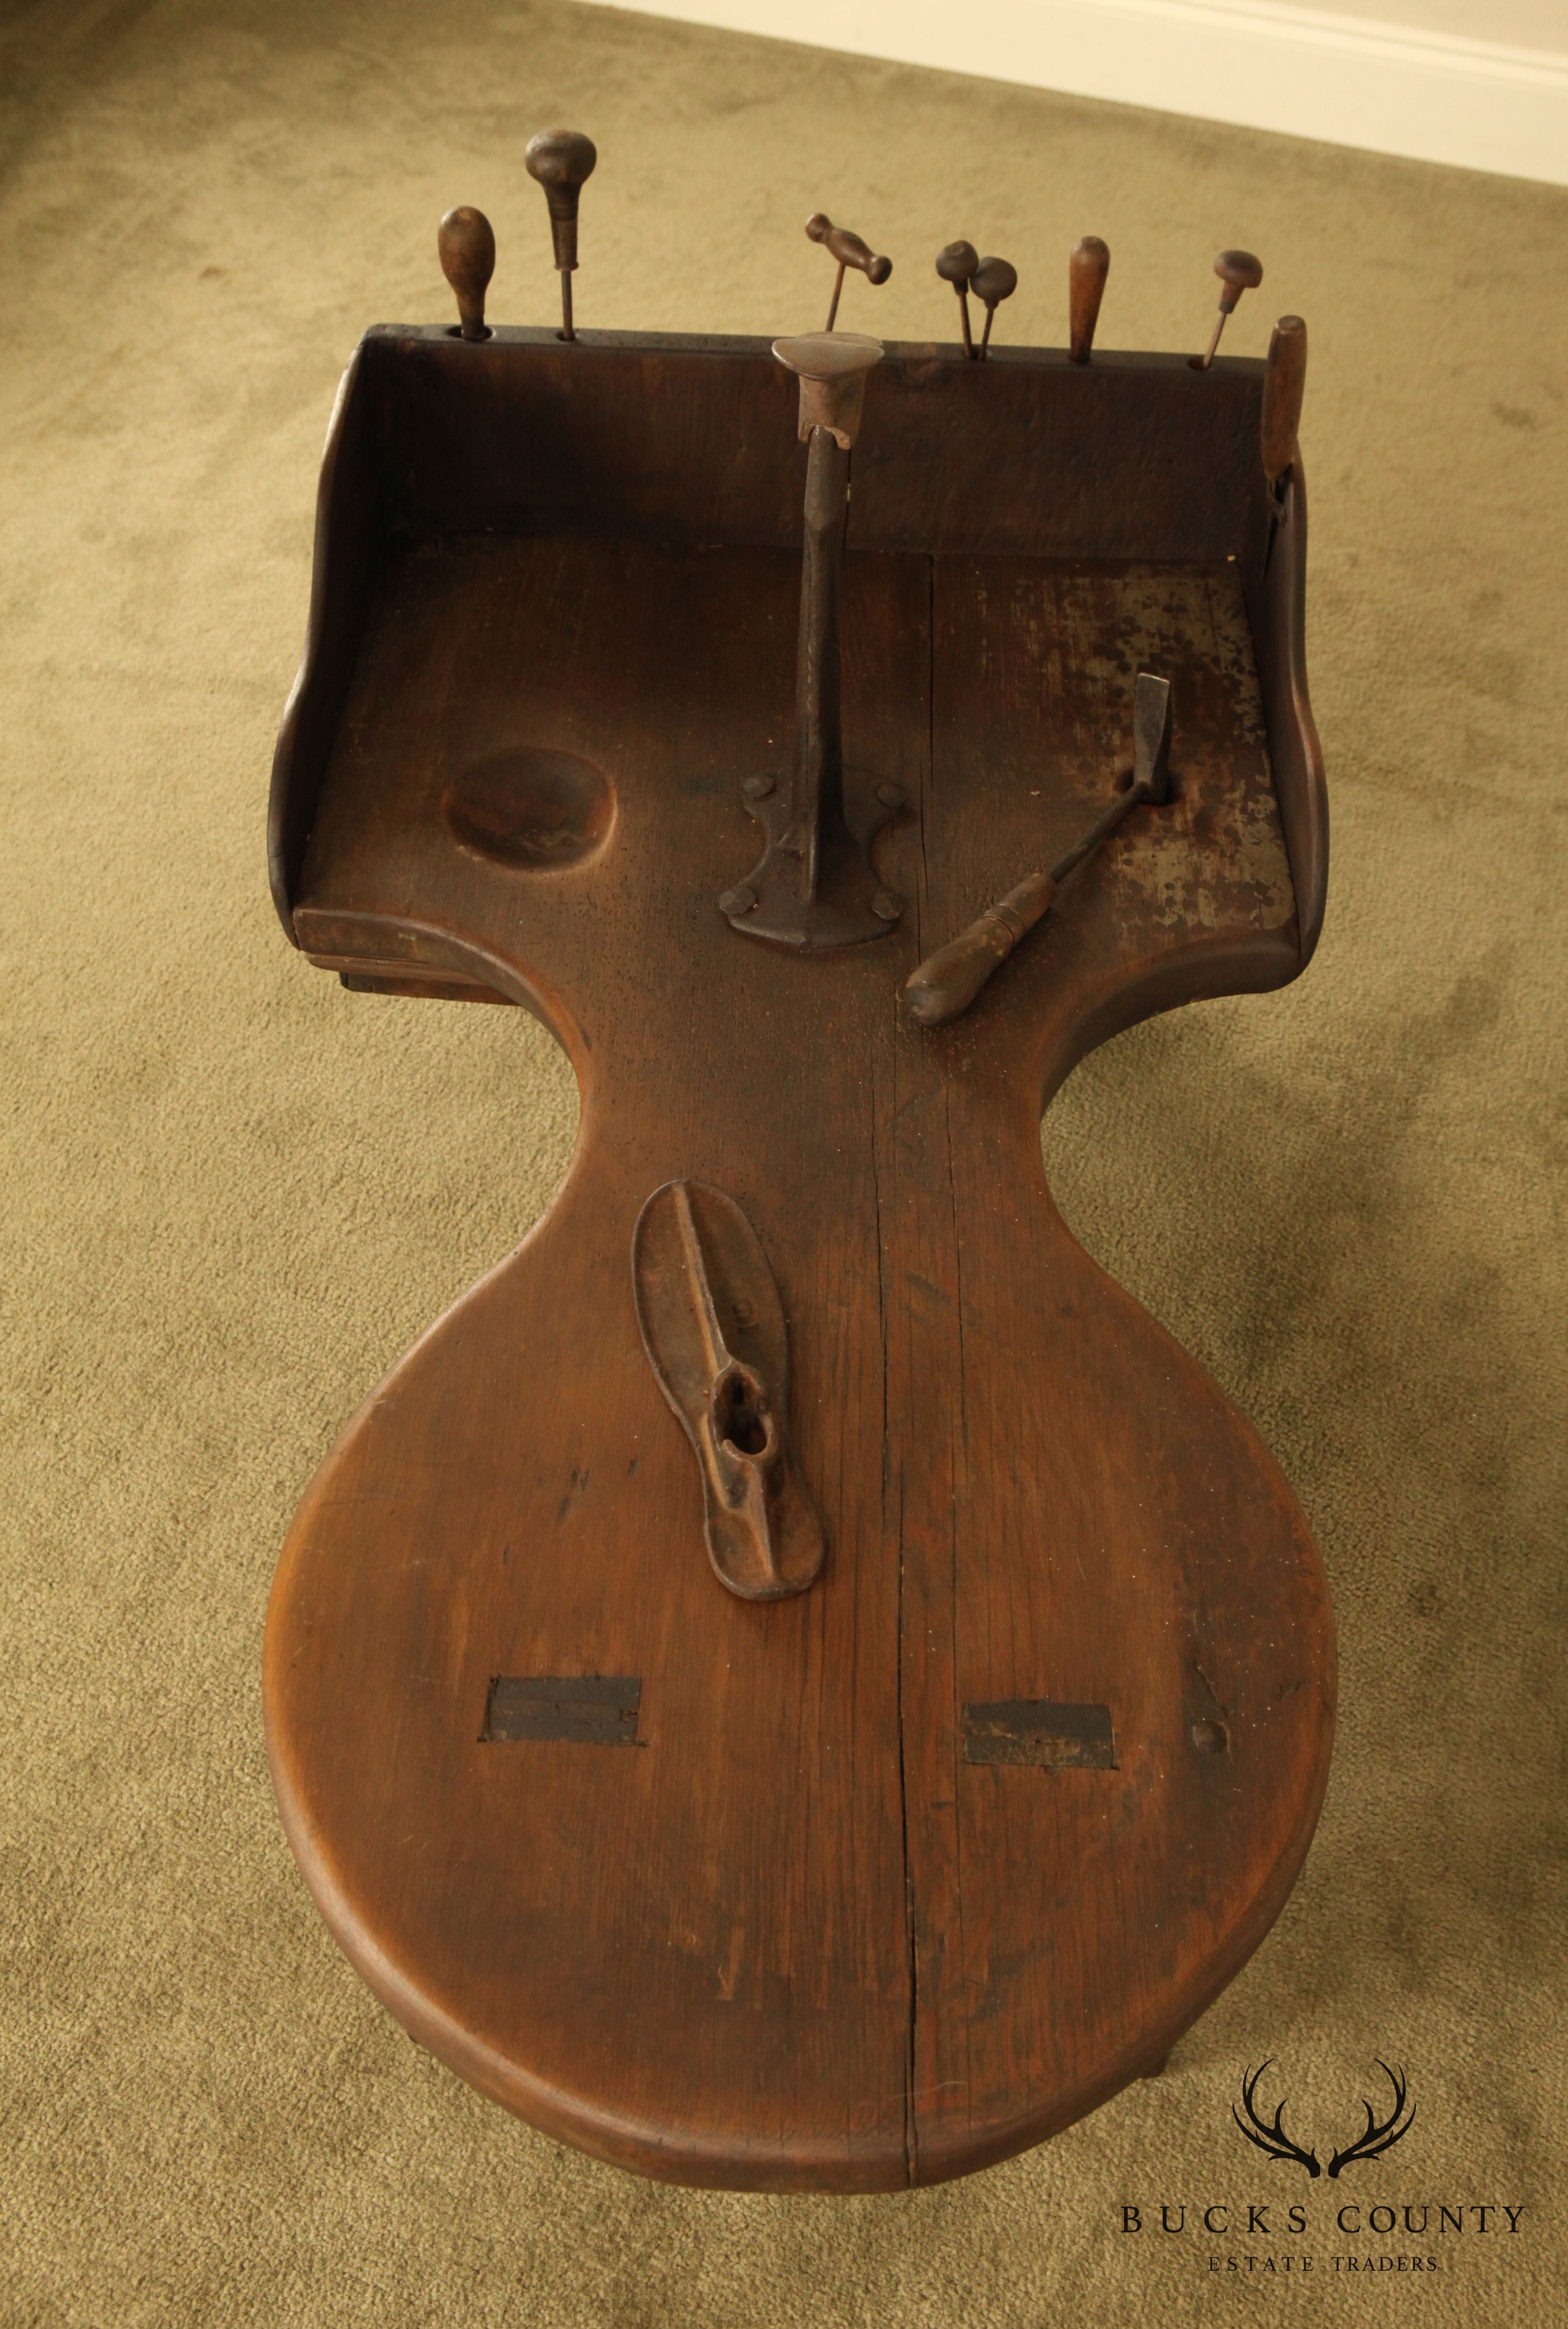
(1269, 2136)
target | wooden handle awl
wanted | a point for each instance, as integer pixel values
(466, 245)
(562, 162)
(956, 263)
(1284, 383)
(994, 281)
(1238, 272)
(948, 981)
(1087, 269)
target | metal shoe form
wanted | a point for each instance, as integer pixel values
(713, 1327)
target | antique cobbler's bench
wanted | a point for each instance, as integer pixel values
(796, 1682)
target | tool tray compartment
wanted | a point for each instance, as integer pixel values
(532, 555)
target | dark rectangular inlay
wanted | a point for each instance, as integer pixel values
(591, 1710)
(1037, 1731)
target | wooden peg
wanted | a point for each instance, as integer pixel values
(849, 251)
(467, 248)
(1086, 271)
(994, 280)
(956, 263)
(1284, 382)
(1238, 272)
(562, 161)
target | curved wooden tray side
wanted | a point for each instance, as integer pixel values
(347, 543)
(1277, 604)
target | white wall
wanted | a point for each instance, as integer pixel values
(1483, 86)
(1516, 24)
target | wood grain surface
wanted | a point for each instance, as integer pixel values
(795, 1938)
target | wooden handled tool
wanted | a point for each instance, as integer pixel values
(1087, 269)
(947, 982)
(1238, 272)
(1284, 383)
(466, 244)
(956, 263)
(849, 251)
(994, 281)
(562, 161)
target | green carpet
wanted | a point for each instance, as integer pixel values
(234, 1193)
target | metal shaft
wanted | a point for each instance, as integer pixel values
(1102, 830)
(814, 884)
(819, 787)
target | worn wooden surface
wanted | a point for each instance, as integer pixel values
(798, 1934)
(677, 441)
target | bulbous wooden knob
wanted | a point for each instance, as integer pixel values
(994, 281)
(467, 248)
(1087, 269)
(1238, 272)
(956, 263)
(562, 161)
(1285, 385)
(850, 250)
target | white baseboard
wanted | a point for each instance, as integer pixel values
(1352, 80)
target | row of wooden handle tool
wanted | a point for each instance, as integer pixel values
(563, 160)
